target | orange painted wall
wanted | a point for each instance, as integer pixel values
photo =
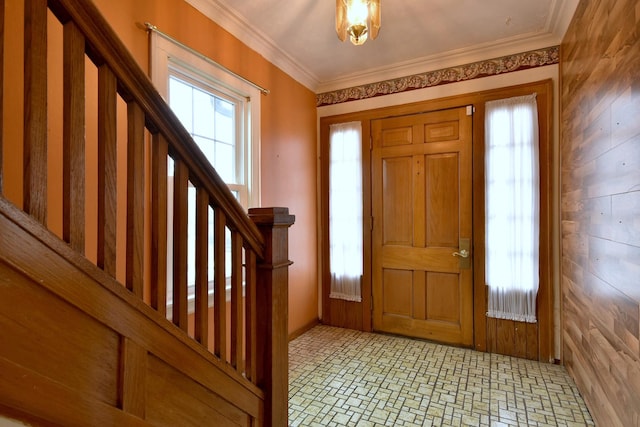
(288, 123)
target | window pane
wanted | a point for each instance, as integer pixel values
(180, 99)
(208, 147)
(203, 113)
(225, 162)
(225, 121)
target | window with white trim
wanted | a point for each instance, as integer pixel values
(221, 111)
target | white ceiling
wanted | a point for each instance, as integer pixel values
(416, 35)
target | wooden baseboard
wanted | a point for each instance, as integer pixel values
(295, 334)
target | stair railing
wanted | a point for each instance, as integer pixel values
(249, 335)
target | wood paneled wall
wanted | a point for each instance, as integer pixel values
(600, 151)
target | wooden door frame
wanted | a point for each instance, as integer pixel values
(359, 314)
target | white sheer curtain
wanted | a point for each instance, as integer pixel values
(512, 207)
(345, 210)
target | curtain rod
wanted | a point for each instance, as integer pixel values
(151, 27)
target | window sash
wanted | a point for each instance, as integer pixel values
(238, 139)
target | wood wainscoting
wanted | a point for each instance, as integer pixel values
(518, 339)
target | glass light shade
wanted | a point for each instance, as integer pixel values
(357, 12)
(358, 34)
(357, 18)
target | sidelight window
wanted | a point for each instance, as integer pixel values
(512, 207)
(345, 210)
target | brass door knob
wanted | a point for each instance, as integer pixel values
(463, 253)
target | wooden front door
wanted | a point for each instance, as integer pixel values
(422, 216)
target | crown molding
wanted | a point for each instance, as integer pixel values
(256, 40)
(522, 43)
(560, 18)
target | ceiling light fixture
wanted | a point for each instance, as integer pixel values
(360, 19)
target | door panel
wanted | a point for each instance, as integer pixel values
(421, 186)
(398, 206)
(443, 294)
(398, 136)
(397, 286)
(442, 193)
(446, 131)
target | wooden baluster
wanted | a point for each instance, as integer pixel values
(35, 110)
(201, 332)
(107, 170)
(135, 198)
(1, 92)
(272, 311)
(180, 218)
(251, 317)
(237, 316)
(220, 292)
(73, 139)
(159, 155)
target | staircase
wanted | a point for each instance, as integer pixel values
(98, 325)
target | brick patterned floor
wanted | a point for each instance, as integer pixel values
(340, 377)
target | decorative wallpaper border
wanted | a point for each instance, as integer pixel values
(475, 70)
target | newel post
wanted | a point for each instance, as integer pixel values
(273, 312)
